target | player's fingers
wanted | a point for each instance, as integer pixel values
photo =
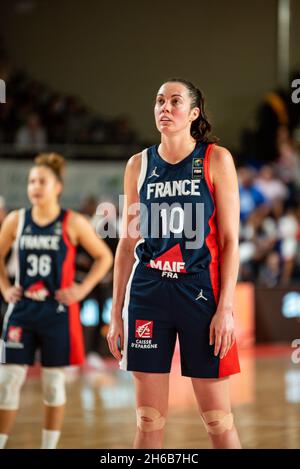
(112, 344)
(218, 342)
(232, 340)
(224, 346)
(115, 351)
(211, 335)
(122, 340)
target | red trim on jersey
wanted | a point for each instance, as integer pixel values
(229, 365)
(211, 240)
(67, 278)
(206, 168)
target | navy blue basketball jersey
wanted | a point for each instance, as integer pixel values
(45, 256)
(178, 217)
(45, 263)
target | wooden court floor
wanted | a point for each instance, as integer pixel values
(100, 410)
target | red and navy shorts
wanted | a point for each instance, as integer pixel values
(47, 326)
(160, 306)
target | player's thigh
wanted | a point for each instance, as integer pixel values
(212, 393)
(152, 390)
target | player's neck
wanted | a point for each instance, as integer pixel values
(45, 213)
(176, 148)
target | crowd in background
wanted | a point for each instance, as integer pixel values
(268, 164)
(34, 115)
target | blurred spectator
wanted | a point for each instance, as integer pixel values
(269, 274)
(250, 196)
(32, 135)
(270, 186)
(288, 162)
(288, 228)
(272, 113)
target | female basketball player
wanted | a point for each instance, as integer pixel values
(43, 307)
(182, 272)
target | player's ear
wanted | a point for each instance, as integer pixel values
(195, 113)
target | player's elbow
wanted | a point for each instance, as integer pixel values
(229, 242)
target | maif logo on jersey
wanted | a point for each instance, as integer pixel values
(37, 291)
(143, 329)
(15, 334)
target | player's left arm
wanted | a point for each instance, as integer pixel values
(224, 179)
(82, 233)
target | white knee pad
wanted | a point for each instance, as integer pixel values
(12, 378)
(54, 392)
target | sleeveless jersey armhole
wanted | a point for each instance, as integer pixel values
(143, 171)
(207, 168)
(65, 233)
(21, 222)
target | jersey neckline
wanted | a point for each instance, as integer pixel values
(48, 224)
(179, 163)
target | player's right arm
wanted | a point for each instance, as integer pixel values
(124, 258)
(11, 294)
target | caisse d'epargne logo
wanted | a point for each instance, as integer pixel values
(143, 329)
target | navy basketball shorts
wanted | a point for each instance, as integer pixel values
(52, 328)
(158, 307)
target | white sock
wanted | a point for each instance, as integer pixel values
(3, 440)
(50, 439)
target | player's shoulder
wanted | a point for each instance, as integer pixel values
(76, 219)
(10, 222)
(221, 158)
(134, 162)
(12, 218)
(220, 153)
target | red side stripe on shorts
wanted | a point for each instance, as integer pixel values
(68, 273)
(229, 365)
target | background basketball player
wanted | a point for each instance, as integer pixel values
(43, 309)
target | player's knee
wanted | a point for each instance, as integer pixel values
(217, 422)
(12, 378)
(149, 419)
(54, 391)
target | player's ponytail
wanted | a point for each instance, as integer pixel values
(201, 127)
(54, 161)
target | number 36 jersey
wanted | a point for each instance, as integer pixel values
(45, 256)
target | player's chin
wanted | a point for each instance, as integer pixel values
(164, 130)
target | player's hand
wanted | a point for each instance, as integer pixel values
(116, 332)
(13, 294)
(70, 295)
(221, 332)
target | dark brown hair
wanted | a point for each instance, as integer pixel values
(53, 161)
(201, 127)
